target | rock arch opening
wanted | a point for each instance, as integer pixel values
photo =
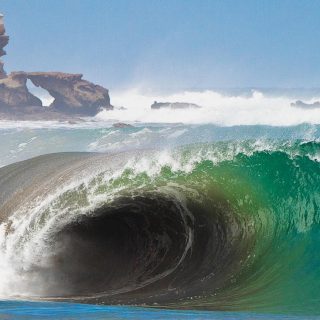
(42, 94)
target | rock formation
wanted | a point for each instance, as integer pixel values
(72, 94)
(122, 125)
(174, 105)
(14, 92)
(304, 105)
(4, 39)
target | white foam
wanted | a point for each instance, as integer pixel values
(216, 109)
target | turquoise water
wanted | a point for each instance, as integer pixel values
(21, 143)
(65, 311)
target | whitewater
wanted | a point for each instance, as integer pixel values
(249, 108)
(208, 213)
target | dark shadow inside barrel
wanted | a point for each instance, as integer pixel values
(118, 248)
(146, 249)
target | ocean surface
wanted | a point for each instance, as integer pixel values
(170, 220)
(69, 311)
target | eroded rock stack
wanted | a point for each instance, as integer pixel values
(72, 94)
(4, 39)
(14, 92)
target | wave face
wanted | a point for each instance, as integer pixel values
(217, 226)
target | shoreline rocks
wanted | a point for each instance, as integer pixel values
(14, 92)
(4, 40)
(72, 94)
(304, 105)
(34, 113)
(121, 125)
(174, 105)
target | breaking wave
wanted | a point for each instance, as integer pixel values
(204, 226)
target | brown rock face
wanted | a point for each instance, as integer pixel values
(4, 39)
(14, 92)
(72, 94)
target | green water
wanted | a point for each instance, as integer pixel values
(273, 199)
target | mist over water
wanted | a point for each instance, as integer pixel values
(247, 108)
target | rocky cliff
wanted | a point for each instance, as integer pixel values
(4, 39)
(72, 94)
(14, 92)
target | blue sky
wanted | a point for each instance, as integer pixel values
(168, 44)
